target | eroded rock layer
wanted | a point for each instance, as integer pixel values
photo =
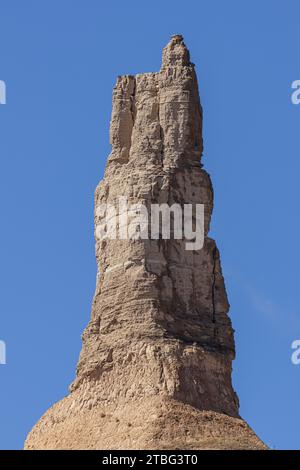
(155, 366)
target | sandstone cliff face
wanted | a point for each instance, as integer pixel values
(155, 366)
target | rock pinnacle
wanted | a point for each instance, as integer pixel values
(155, 367)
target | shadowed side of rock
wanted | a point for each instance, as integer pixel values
(155, 366)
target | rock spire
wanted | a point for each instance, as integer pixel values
(155, 367)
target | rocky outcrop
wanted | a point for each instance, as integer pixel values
(155, 366)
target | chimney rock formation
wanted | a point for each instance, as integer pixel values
(155, 367)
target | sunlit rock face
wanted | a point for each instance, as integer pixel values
(155, 366)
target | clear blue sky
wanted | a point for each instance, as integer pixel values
(60, 60)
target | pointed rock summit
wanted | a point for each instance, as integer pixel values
(155, 367)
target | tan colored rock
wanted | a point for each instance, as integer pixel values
(155, 366)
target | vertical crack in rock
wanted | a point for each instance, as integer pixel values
(161, 136)
(213, 285)
(158, 350)
(132, 99)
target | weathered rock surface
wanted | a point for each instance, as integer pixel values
(155, 366)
